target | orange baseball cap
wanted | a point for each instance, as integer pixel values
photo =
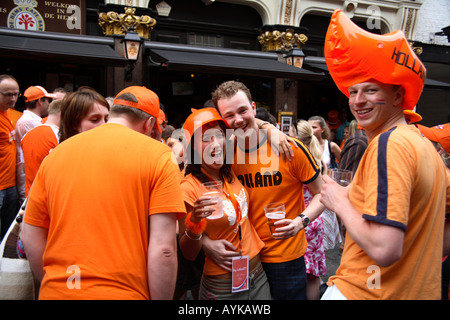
(161, 117)
(36, 92)
(199, 118)
(439, 133)
(354, 55)
(147, 101)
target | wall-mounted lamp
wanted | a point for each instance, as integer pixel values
(295, 57)
(132, 46)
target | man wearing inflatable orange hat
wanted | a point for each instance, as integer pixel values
(394, 209)
(101, 215)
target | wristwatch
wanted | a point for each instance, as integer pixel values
(305, 220)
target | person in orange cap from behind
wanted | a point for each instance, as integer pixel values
(104, 206)
(394, 208)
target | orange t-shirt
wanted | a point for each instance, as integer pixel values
(36, 145)
(95, 192)
(402, 182)
(14, 115)
(268, 178)
(7, 152)
(226, 226)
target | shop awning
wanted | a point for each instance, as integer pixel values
(226, 61)
(53, 47)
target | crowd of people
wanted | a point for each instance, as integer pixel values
(101, 198)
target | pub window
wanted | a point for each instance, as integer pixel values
(204, 40)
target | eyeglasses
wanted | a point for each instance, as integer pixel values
(9, 95)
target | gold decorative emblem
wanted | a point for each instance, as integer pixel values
(281, 40)
(113, 23)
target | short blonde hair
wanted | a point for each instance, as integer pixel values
(55, 107)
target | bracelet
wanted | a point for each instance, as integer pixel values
(195, 228)
(195, 239)
(262, 123)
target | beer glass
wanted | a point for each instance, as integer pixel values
(341, 176)
(274, 212)
(213, 189)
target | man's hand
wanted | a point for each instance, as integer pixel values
(333, 194)
(279, 142)
(220, 251)
(287, 228)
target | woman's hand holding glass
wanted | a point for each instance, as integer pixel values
(203, 208)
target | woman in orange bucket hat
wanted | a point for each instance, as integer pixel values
(205, 133)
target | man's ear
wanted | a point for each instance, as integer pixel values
(254, 108)
(399, 96)
(148, 125)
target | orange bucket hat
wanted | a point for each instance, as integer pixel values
(147, 101)
(198, 118)
(354, 55)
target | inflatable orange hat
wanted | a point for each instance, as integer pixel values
(412, 116)
(354, 55)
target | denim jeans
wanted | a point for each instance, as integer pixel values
(287, 280)
(8, 208)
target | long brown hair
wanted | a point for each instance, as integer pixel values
(75, 107)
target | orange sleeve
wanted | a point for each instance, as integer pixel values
(190, 191)
(167, 196)
(36, 212)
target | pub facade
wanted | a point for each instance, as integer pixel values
(185, 48)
